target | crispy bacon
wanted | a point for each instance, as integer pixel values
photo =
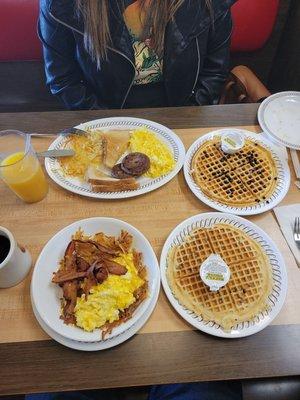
(105, 249)
(87, 251)
(70, 295)
(70, 257)
(115, 268)
(89, 261)
(63, 276)
(82, 265)
(101, 274)
(89, 281)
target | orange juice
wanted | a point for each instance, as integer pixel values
(24, 175)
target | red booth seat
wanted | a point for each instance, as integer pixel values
(253, 24)
(18, 22)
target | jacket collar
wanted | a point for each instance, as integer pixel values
(189, 22)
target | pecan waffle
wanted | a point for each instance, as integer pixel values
(251, 282)
(242, 179)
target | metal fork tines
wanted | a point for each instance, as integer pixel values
(65, 132)
(297, 230)
(74, 131)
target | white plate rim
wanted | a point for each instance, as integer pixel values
(261, 117)
(96, 334)
(210, 327)
(120, 122)
(283, 182)
(102, 345)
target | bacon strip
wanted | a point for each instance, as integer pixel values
(64, 276)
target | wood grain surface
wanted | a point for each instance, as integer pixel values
(167, 349)
(179, 117)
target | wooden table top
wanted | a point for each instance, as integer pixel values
(180, 355)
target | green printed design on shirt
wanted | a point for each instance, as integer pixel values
(147, 63)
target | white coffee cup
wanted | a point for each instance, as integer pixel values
(16, 264)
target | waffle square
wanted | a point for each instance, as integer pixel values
(229, 189)
(209, 162)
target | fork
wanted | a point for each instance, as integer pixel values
(297, 230)
(65, 132)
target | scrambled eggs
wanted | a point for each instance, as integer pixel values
(88, 151)
(161, 158)
(108, 298)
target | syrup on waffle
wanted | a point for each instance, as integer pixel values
(241, 179)
(251, 282)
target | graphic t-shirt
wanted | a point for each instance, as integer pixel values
(147, 63)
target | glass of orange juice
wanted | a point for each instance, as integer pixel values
(20, 168)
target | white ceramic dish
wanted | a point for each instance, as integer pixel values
(283, 179)
(102, 345)
(276, 298)
(46, 295)
(279, 117)
(105, 124)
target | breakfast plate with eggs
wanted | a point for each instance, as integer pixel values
(94, 281)
(117, 158)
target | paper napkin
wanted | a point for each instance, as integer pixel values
(286, 218)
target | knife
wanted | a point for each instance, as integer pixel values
(296, 163)
(65, 132)
(56, 153)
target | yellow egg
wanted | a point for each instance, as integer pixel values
(161, 158)
(107, 299)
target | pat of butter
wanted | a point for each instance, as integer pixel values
(232, 142)
(214, 272)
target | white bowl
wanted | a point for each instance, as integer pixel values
(46, 295)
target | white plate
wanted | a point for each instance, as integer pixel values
(146, 184)
(283, 181)
(102, 345)
(276, 298)
(279, 117)
(46, 295)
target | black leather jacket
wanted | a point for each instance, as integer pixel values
(195, 64)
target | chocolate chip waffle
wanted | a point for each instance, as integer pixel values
(251, 282)
(245, 178)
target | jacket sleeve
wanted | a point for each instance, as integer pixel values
(63, 72)
(216, 63)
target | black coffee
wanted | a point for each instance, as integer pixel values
(4, 247)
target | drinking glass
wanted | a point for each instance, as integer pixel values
(20, 168)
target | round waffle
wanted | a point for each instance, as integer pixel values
(251, 282)
(243, 179)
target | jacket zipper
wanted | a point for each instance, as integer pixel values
(110, 48)
(132, 81)
(198, 66)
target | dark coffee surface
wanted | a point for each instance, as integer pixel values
(4, 247)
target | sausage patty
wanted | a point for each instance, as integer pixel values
(135, 164)
(117, 172)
